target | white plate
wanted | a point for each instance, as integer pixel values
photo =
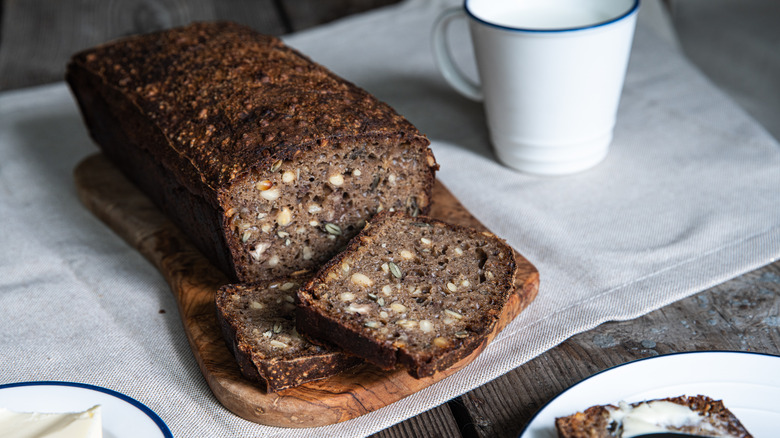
(123, 417)
(748, 384)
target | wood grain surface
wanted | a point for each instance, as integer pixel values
(194, 281)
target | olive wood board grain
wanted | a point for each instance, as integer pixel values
(194, 281)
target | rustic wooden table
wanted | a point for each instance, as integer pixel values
(38, 36)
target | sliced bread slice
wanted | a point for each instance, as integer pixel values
(699, 415)
(258, 324)
(410, 291)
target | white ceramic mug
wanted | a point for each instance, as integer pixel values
(551, 74)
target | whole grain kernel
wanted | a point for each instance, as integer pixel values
(277, 327)
(264, 185)
(359, 308)
(395, 270)
(448, 321)
(271, 194)
(246, 236)
(266, 228)
(453, 314)
(462, 334)
(489, 275)
(268, 333)
(398, 307)
(288, 177)
(384, 314)
(284, 217)
(277, 164)
(451, 286)
(361, 280)
(371, 324)
(230, 212)
(385, 268)
(282, 234)
(405, 254)
(336, 179)
(391, 178)
(425, 241)
(314, 208)
(256, 305)
(289, 285)
(289, 298)
(345, 267)
(357, 172)
(458, 251)
(314, 223)
(441, 342)
(426, 326)
(308, 253)
(465, 283)
(380, 301)
(332, 229)
(277, 344)
(407, 323)
(273, 261)
(387, 290)
(259, 249)
(346, 296)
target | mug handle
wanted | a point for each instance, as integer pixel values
(452, 74)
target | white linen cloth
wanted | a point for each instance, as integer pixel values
(688, 197)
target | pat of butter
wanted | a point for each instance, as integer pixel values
(654, 416)
(87, 424)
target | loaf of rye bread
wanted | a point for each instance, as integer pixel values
(409, 291)
(258, 323)
(710, 418)
(266, 160)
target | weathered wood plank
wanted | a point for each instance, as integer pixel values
(740, 315)
(435, 423)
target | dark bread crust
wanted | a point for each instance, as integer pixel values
(594, 422)
(188, 113)
(277, 372)
(320, 326)
(229, 99)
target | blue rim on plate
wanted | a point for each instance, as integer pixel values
(682, 353)
(633, 9)
(140, 406)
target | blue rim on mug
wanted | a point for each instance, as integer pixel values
(634, 7)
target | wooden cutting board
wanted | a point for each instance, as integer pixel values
(194, 281)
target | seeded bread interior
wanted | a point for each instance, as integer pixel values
(409, 291)
(258, 323)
